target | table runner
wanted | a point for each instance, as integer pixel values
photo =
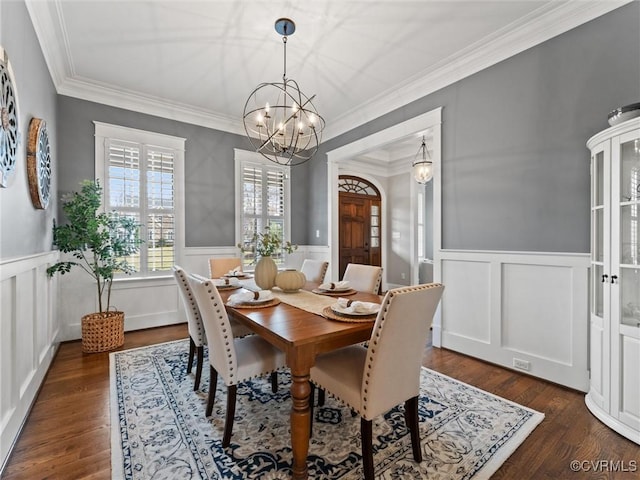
(302, 299)
(307, 301)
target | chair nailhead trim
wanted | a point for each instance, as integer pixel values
(390, 296)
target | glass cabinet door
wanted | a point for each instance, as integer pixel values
(629, 246)
(599, 278)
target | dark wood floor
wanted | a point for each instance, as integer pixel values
(67, 435)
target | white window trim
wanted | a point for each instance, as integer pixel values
(245, 156)
(104, 131)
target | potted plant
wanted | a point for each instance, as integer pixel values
(99, 243)
(265, 245)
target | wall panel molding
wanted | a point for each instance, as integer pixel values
(527, 311)
(28, 338)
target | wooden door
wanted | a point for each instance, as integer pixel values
(359, 223)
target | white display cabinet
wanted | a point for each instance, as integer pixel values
(614, 353)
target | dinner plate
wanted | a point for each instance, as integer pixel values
(242, 275)
(257, 302)
(341, 289)
(347, 311)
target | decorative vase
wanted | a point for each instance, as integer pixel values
(265, 273)
(290, 280)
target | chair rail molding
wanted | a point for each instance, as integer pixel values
(527, 311)
(29, 333)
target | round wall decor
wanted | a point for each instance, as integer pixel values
(39, 163)
(9, 124)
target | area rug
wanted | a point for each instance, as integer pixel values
(159, 430)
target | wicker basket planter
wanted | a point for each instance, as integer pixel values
(102, 332)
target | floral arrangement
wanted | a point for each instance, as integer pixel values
(268, 243)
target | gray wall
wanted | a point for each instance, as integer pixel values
(26, 230)
(397, 242)
(428, 220)
(209, 168)
(515, 166)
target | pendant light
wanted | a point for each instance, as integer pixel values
(422, 164)
(281, 122)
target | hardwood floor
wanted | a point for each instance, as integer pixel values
(67, 435)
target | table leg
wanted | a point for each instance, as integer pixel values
(300, 391)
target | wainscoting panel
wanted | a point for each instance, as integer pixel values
(146, 303)
(526, 319)
(526, 311)
(471, 281)
(28, 338)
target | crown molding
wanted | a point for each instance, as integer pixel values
(149, 105)
(53, 38)
(550, 20)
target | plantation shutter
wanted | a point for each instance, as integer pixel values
(263, 204)
(141, 186)
(160, 218)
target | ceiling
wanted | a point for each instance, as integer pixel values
(197, 61)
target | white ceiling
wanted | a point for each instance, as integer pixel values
(197, 61)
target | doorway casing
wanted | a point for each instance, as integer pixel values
(341, 161)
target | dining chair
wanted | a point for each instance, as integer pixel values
(363, 278)
(235, 359)
(218, 266)
(375, 379)
(197, 336)
(314, 270)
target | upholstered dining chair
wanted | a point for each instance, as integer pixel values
(363, 278)
(197, 336)
(375, 379)
(235, 359)
(314, 270)
(218, 266)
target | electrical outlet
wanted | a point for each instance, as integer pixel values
(403, 276)
(521, 364)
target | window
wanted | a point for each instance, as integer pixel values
(262, 200)
(139, 172)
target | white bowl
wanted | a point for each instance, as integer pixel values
(623, 114)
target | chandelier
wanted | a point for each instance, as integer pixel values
(422, 168)
(281, 122)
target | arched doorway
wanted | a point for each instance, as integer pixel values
(360, 222)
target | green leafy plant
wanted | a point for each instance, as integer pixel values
(267, 244)
(99, 241)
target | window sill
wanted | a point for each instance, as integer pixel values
(146, 281)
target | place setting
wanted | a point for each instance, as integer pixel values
(252, 299)
(236, 273)
(335, 289)
(227, 283)
(354, 311)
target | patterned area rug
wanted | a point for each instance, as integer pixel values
(159, 430)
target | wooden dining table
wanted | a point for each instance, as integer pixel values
(302, 336)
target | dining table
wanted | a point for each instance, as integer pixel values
(302, 335)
